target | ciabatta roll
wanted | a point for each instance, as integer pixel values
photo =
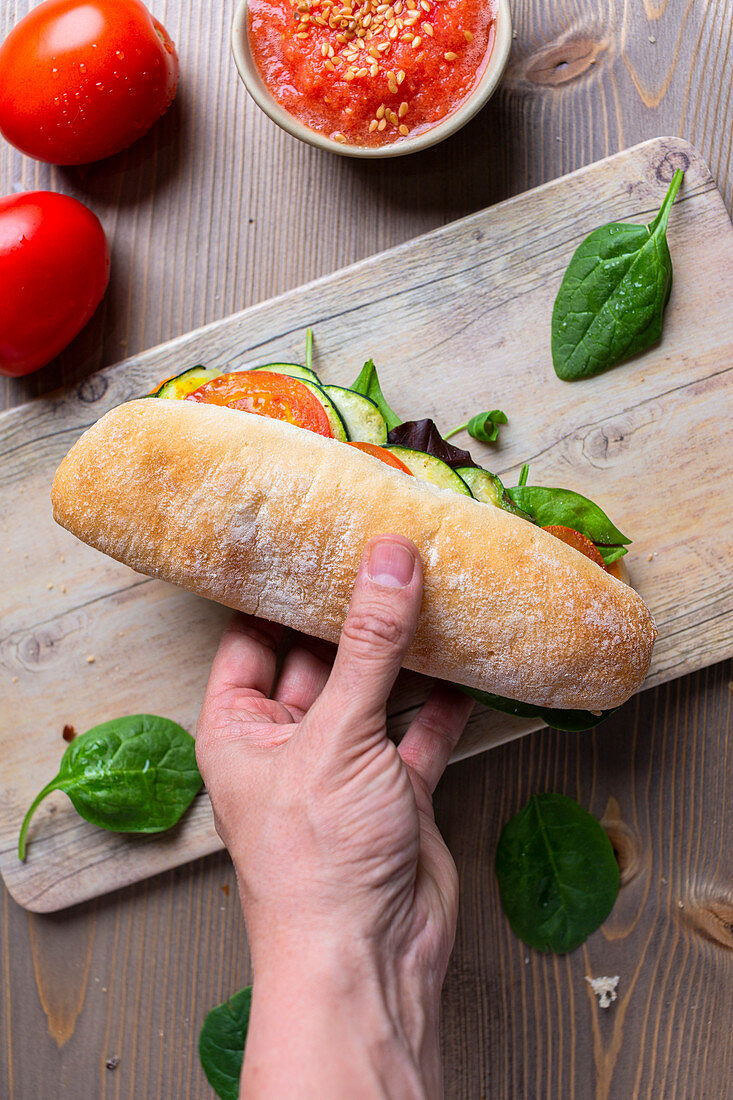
(272, 519)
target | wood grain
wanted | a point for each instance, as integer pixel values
(468, 314)
(178, 210)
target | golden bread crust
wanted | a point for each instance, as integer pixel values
(271, 519)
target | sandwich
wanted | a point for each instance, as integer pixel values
(260, 488)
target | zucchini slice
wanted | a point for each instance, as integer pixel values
(429, 468)
(181, 385)
(364, 422)
(489, 489)
(485, 487)
(334, 416)
(292, 370)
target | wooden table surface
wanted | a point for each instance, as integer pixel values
(217, 209)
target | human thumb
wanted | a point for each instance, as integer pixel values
(375, 637)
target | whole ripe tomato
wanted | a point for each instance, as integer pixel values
(54, 270)
(83, 79)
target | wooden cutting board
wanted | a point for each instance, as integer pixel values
(457, 321)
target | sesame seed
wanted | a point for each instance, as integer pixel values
(362, 33)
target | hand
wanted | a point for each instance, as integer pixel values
(349, 892)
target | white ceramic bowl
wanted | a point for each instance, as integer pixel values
(480, 95)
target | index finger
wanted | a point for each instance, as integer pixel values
(432, 736)
(247, 657)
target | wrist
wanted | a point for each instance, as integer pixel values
(333, 1019)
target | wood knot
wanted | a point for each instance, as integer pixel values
(603, 446)
(665, 168)
(562, 62)
(625, 841)
(92, 389)
(41, 648)
(713, 920)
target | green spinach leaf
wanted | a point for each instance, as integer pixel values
(612, 299)
(484, 426)
(368, 384)
(221, 1043)
(571, 721)
(564, 508)
(133, 775)
(558, 876)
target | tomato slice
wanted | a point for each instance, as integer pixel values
(578, 542)
(266, 394)
(382, 454)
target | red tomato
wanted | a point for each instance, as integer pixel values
(383, 455)
(82, 79)
(266, 394)
(54, 270)
(578, 542)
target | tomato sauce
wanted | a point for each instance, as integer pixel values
(365, 72)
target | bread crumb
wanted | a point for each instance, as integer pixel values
(90, 660)
(652, 39)
(15, 679)
(63, 588)
(49, 585)
(604, 989)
